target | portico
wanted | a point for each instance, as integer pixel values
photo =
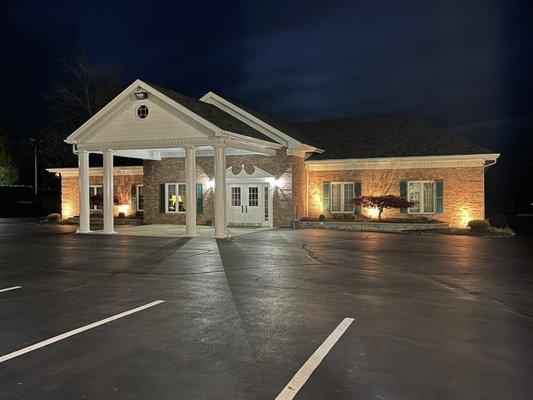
(146, 123)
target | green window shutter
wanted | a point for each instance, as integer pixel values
(162, 198)
(439, 196)
(326, 194)
(199, 199)
(357, 192)
(403, 194)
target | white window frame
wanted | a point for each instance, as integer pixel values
(91, 193)
(422, 198)
(137, 197)
(166, 197)
(342, 197)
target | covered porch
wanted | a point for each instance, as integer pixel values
(150, 124)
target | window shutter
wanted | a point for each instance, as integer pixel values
(439, 196)
(357, 192)
(199, 199)
(326, 194)
(403, 194)
(162, 198)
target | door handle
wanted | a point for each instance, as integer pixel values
(242, 209)
(246, 209)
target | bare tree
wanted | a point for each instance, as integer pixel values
(83, 92)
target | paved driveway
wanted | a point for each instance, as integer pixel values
(435, 317)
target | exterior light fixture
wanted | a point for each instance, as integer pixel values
(141, 95)
(372, 212)
(210, 183)
(275, 182)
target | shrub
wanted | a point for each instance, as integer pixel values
(382, 202)
(321, 217)
(497, 219)
(53, 218)
(121, 215)
(478, 225)
(305, 219)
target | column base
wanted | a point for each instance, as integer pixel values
(83, 231)
(108, 232)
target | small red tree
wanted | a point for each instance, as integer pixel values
(382, 202)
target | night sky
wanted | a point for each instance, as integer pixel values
(465, 66)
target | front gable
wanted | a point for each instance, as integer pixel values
(161, 123)
(117, 123)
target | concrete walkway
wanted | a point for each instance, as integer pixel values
(169, 230)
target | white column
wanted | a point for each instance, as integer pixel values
(83, 173)
(190, 191)
(108, 193)
(220, 191)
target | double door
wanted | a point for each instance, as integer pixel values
(246, 204)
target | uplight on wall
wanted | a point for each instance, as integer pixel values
(275, 182)
(465, 216)
(123, 208)
(372, 212)
(210, 183)
(66, 211)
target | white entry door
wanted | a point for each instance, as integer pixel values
(246, 204)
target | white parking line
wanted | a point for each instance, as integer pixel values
(310, 365)
(7, 289)
(76, 331)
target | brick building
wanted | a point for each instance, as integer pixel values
(269, 172)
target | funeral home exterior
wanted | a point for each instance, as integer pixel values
(239, 166)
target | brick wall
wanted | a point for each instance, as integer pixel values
(289, 170)
(463, 189)
(70, 193)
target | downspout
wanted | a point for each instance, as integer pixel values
(306, 190)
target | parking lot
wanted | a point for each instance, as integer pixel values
(129, 317)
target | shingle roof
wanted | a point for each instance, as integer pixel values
(375, 137)
(287, 128)
(213, 114)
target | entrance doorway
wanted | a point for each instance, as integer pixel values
(249, 198)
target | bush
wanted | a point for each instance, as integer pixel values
(305, 219)
(321, 217)
(478, 225)
(497, 219)
(53, 218)
(121, 215)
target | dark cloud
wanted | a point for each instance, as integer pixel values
(456, 64)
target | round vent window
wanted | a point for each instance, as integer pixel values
(142, 112)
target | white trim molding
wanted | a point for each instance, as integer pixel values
(454, 161)
(96, 171)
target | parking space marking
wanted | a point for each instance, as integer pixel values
(312, 363)
(7, 289)
(76, 331)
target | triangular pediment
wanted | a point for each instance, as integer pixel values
(119, 121)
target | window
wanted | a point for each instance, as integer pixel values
(140, 198)
(96, 190)
(175, 195)
(236, 196)
(342, 194)
(422, 194)
(253, 196)
(142, 112)
(266, 202)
